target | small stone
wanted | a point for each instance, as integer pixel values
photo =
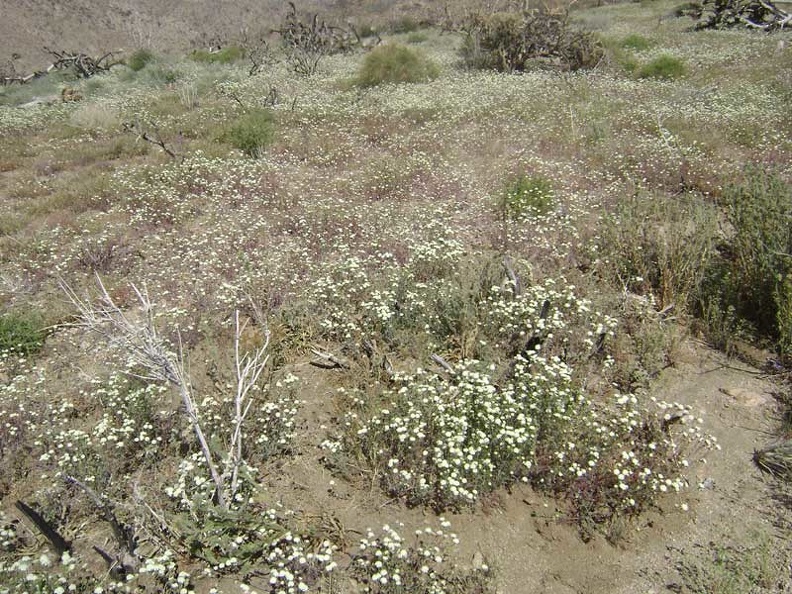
(478, 560)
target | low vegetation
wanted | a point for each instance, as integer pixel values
(21, 333)
(663, 67)
(269, 293)
(394, 63)
(226, 55)
(527, 196)
(252, 132)
(139, 59)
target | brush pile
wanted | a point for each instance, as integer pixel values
(755, 14)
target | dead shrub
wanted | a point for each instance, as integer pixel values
(515, 42)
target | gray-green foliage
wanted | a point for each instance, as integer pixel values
(754, 274)
(21, 332)
(252, 132)
(660, 245)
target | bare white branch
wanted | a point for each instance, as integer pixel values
(147, 351)
(249, 367)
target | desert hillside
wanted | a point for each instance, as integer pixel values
(463, 303)
(95, 26)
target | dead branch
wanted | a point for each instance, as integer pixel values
(306, 41)
(83, 65)
(755, 14)
(328, 361)
(444, 364)
(515, 280)
(248, 370)
(151, 355)
(258, 51)
(152, 136)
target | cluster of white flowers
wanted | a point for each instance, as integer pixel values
(387, 562)
(29, 574)
(445, 441)
(295, 567)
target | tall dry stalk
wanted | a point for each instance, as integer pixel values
(153, 360)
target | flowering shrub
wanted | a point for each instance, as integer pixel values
(368, 231)
(444, 441)
(447, 442)
(387, 564)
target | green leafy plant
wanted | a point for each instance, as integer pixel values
(253, 132)
(663, 67)
(139, 59)
(636, 42)
(753, 274)
(227, 55)
(395, 63)
(526, 195)
(21, 333)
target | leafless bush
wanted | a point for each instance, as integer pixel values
(513, 42)
(152, 358)
(307, 41)
(756, 14)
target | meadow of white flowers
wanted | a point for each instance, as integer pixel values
(370, 229)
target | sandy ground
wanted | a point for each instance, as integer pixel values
(523, 535)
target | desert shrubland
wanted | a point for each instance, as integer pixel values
(420, 297)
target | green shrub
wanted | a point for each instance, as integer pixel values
(252, 132)
(395, 63)
(21, 333)
(138, 60)
(526, 195)
(753, 277)
(636, 42)
(664, 67)
(227, 55)
(417, 37)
